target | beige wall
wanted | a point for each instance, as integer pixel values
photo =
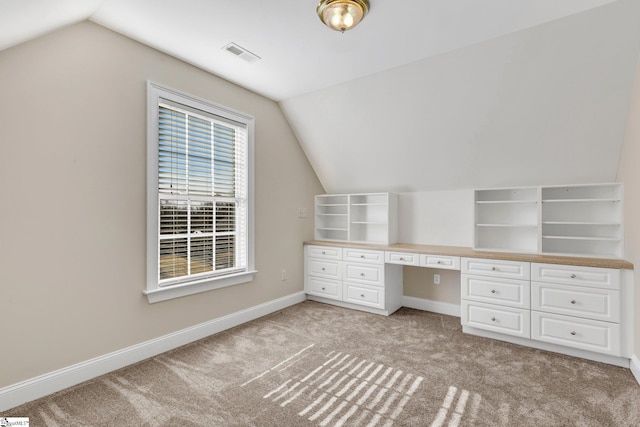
(629, 174)
(72, 174)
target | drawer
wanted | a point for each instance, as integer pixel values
(364, 273)
(590, 303)
(326, 252)
(513, 293)
(440, 261)
(496, 268)
(505, 320)
(402, 258)
(592, 335)
(324, 288)
(608, 278)
(364, 295)
(324, 268)
(363, 255)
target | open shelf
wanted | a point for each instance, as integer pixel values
(581, 220)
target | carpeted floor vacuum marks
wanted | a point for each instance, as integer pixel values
(347, 390)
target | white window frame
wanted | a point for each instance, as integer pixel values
(156, 94)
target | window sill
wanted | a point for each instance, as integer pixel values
(177, 291)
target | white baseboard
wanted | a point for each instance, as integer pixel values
(35, 388)
(433, 306)
(634, 365)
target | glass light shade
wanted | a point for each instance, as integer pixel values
(342, 15)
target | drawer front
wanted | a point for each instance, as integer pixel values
(364, 273)
(505, 320)
(402, 258)
(325, 252)
(440, 261)
(324, 288)
(593, 335)
(497, 268)
(607, 278)
(324, 268)
(590, 303)
(363, 255)
(370, 296)
(513, 293)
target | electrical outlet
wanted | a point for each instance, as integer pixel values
(284, 275)
(302, 212)
(436, 279)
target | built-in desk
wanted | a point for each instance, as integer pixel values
(573, 305)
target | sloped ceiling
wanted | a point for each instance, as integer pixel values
(424, 94)
(546, 105)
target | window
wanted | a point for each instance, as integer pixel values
(199, 195)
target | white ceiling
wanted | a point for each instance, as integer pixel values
(299, 54)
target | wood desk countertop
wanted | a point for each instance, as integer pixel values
(463, 251)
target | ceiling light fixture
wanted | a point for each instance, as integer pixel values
(342, 15)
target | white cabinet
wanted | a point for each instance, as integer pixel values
(362, 218)
(354, 278)
(581, 220)
(496, 296)
(579, 307)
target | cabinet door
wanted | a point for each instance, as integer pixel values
(360, 294)
(326, 288)
(497, 268)
(440, 261)
(605, 278)
(513, 293)
(592, 335)
(505, 320)
(589, 303)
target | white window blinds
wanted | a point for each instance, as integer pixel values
(202, 191)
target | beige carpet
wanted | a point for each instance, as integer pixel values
(315, 364)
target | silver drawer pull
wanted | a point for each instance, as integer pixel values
(493, 319)
(439, 262)
(322, 268)
(573, 301)
(362, 274)
(361, 295)
(573, 276)
(493, 291)
(323, 252)
(573, 332)
(401, 258)
(361, 256)
(323, 289)
(493, 269)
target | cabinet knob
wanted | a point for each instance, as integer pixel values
(323, 289)
(573, 276)
(362, 274)
(573, 301)
(573, 332)
(439, 262)
(493, 291)
(493, 319)
(493, 269)
(322, 268)
(323, 252)
(361, 295)
(401, 258)
(361, 256)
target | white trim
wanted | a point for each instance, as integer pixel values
(43, 385)
(634, 365)
(433, 306)
(190, 288)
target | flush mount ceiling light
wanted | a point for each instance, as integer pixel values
(342, 15)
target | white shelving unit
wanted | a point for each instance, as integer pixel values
(358, 218)
(507, 219)
(582, 220)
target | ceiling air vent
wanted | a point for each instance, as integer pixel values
(241, 52)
